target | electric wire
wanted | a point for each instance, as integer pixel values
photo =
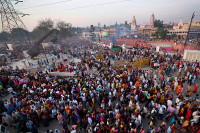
(80, 7)
(46, 4)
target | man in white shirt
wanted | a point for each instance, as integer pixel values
(89, 120)
(169, 103)
(160, 113)
(177, 100)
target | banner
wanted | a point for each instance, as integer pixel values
(119, 64)
(105, 33)
(44, 45)
(168, 49)
(10, 47)
(25, 54)
(157, 48)
(139, 63)
(116, 50)
(100, 56)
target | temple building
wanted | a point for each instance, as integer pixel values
(181, 30)
(129, 31)
(148, 30)
(152, 19)
(133, 24)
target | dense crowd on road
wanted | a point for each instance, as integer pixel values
(161, 99)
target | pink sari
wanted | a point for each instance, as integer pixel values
(181, 90)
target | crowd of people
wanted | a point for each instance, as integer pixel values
(162, 98)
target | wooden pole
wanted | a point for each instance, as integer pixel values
(189, 29)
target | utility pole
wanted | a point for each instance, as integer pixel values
(10, 19)
(100, 30)
(189, 29)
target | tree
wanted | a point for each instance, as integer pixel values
(46, 24)
(158, 23)
(19, 34)
(36, 34)
(43, 27)
(173, 35)
(163, 33)
(64, 29)
(4, 36)
(156, 34)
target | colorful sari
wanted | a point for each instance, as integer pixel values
(195, 87)
(178, 89)
(188, 115)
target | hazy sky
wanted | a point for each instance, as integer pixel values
(82, 13)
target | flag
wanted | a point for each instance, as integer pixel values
(168, 49)
(25, 54)
(157, 48)
(10, 47)
(44, 45)
(6, 46)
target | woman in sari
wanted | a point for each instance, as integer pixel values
(178, 89)
(167, 90)
(185, 125)
(189, 91)
(174, 128)
(195, 87)
(172, 85)
(162, 99)
(188, 115)
(181, 89)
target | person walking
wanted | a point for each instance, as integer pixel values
(60, 118)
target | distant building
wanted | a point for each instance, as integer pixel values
(127, 26)
(88, 35)
(133, 24)
(148, 30)
(109, 32)
(129, 30)
(99, 25)
(168, 26)
(152, 19)
(196, 23)
(127, 33)
(125, 30)
(181, 29)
